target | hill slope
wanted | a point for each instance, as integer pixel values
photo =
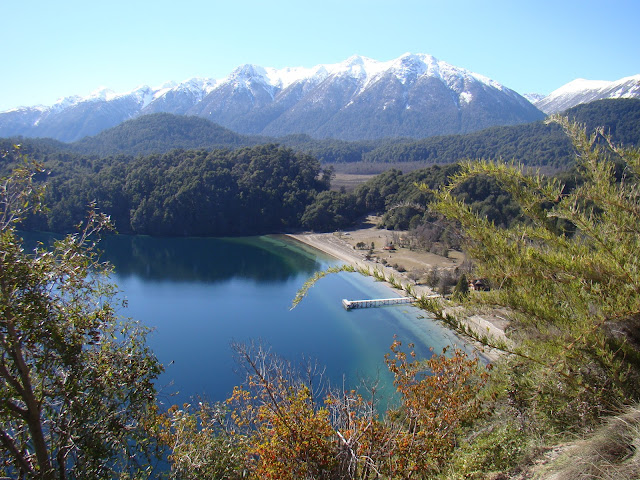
(532, 144)
(160, 132)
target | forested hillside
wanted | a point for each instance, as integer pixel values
(252, 190)
(532, 144)
(263, 189)
(401, 201)
(160, 133)
(255, 190)
(535, 144)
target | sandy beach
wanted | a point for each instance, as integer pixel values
(408, 267)
(341, 246)
(337, 247)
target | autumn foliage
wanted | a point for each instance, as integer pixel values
(438, 397)
(289, 435)
(286, 424)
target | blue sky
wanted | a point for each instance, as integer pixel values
(56, 49)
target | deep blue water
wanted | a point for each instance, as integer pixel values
(201, 294)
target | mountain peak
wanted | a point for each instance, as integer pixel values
(584, 91)
(423, 58)
(580, 84)
(248, 70)
(101, 93)
(343, 100)
(354, 60)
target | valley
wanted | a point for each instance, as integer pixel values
(189, 192)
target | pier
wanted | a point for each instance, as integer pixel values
(350, 304)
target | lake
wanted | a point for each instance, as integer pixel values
(201, 294)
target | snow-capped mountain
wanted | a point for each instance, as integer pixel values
(533, 97)
(359, 98)
(585, 91)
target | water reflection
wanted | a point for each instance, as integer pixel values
(206, 260)
(200, 260)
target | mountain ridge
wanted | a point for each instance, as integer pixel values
(414, 95)
(532, 144)
(581, 91)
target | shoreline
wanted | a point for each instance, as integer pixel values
(330, 244)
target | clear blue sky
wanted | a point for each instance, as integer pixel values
(53, 49)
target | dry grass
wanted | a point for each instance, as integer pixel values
(611, 453)
(414, 262)
(349, 181)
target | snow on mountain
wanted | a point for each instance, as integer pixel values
(533, 97)
(345, 100)
(195, 88)
(584, 91)
(357, 67)
(364, 69)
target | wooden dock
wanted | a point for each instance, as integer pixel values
(378, 302)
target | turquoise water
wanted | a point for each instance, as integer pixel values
(201, 294)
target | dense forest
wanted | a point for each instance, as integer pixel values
(256, 190)
(184, 192)
(401, 200)
(532, 144)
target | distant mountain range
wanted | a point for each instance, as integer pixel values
(414, 96)
(582, 91)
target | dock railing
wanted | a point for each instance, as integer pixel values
(378, 302)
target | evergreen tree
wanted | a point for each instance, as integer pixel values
(461, 290)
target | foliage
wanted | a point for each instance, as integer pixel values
(290, 434)
(256, 190)
(495, 448)
(76, 383)
(286, 423)
(573, 295)
(461, 290)
(201, 442)
(330, 211)
(302, 291)
(438, 397)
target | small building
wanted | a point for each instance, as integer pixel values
(479, 285)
